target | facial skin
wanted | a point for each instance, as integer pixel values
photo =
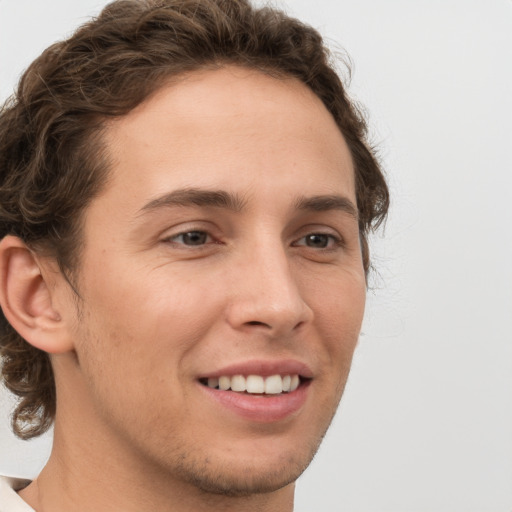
(176, 288)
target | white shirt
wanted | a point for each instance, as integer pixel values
(9, 499)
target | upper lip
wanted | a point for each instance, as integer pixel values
(265, 368)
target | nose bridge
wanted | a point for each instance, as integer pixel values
(268, 293)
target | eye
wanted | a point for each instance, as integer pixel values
(191, 238)
(319, 241)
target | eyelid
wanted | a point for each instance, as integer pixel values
(320, 229)
(183, 233)
(170, 234)
(335, 238)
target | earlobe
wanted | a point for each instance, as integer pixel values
(26, 298)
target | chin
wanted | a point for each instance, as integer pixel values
(242, 469)
(244, 478)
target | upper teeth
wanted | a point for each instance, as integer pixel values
(274, 384)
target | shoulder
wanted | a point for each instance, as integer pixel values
(9, 499)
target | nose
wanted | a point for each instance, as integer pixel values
(266, 294)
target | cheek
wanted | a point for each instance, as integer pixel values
(339, 314)
(150, 324)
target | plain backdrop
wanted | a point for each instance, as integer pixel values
(426, 421)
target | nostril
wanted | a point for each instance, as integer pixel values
(255, 322)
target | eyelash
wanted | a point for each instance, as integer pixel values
(185, 233)
(335, 241)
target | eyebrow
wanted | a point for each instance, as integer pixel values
(327, 202)
(196, 197)
(235, 202)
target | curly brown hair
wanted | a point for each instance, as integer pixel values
(52, 158)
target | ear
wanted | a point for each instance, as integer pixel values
(26, 299)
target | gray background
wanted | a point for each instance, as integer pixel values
(426, 421)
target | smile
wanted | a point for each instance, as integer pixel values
(254, 384)
(261, 391)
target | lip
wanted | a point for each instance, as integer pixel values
(260, 408)
(265, 368)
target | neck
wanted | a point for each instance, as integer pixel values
(94, 465)
(92, 473)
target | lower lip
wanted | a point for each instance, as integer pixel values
(261, 408)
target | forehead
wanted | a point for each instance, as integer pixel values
(225, 128)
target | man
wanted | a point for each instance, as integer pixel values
(186, 194)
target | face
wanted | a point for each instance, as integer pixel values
(221, 264)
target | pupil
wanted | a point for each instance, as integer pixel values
(194, 238)
(317, 241)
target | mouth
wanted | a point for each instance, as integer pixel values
(260, 391)
(271, 385)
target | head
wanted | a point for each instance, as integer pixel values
(140, 161)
